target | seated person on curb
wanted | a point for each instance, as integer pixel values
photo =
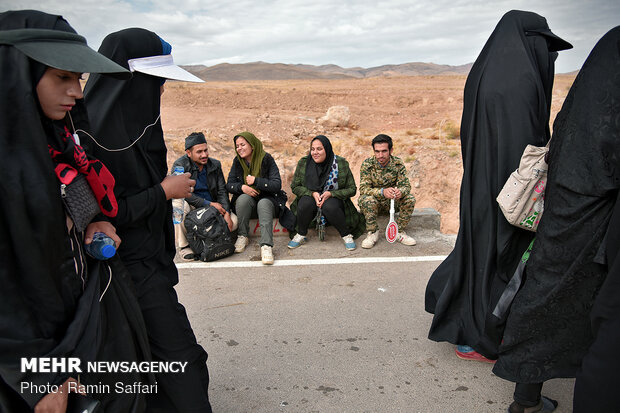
(382, 178)
(324, 180)
(255, 183)
(210, 189)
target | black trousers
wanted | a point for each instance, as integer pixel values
(333, 211)
(528, 394)
(171, 339)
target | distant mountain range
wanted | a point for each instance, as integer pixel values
(280, 71)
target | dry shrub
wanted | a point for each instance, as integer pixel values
(446, 129)
(336, 145)
(452, 131)
(361, 140)
(175, 143)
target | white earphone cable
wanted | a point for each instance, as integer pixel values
(103, 147)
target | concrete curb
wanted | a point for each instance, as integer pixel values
(423, 219)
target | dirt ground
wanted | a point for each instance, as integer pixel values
(421, 113)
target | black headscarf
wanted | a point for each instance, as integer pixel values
(121, 111)
(506, 107)
(46, 309)
(317, 173)
(549, 329)
(39, 295)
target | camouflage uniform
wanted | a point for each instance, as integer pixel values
(373, 177)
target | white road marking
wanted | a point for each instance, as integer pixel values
(325, 261)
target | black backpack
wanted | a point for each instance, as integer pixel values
(208, 234)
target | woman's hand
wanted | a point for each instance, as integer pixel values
(101, 226)
(324, 197)
(250, 180)
(178, 186)
(317, 198)
(250, 191)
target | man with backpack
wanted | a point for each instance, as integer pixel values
(210, 190)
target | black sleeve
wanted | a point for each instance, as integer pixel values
(196, 201)
(178, 162)
(138, 206)
(222, 194)
(235, 178)
(270, 180)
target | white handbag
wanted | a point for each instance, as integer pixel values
(522, 197)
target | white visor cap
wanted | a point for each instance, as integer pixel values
(161, 66)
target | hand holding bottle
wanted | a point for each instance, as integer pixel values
(101, 247)
(178, 186)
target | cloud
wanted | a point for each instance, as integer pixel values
(348, 33)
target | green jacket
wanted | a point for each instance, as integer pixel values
(346, 189)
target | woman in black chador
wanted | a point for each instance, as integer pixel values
(506, 106)
(125, 118)
(548, 330)
(596, 386)
(55, 301)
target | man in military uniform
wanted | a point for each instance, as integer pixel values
(384, 177)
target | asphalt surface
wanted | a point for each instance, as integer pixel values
(328, 330)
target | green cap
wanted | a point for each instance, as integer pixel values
(61, 50)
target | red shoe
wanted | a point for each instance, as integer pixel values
(468, 353)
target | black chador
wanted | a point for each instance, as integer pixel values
(506, 107)
(55, 302)
(121, 112)
(549, 328)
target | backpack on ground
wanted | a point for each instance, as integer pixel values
(208, 234)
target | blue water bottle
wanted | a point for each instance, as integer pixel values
(177, 212)
(102, 247)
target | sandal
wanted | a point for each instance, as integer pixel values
(187, 254)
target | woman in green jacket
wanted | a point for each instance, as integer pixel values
(324, 180)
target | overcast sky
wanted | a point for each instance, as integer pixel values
(348, 33)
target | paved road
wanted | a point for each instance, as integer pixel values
(323, 336)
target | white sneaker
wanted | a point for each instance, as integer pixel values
(297, 241)
(266, 255)
(405, 239)
(349, 243)
(371, 239)
(241, 243)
